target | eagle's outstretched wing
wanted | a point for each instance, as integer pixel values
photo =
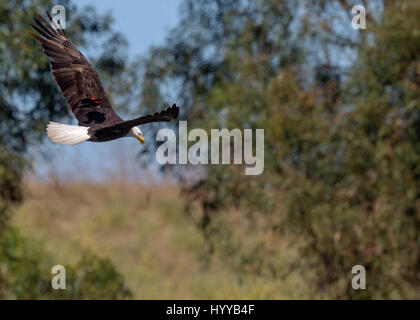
(164, 116)
(76, 77)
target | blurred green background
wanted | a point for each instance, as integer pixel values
(340, 109)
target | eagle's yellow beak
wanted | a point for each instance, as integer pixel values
(141, 138)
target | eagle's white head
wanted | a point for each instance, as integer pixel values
(136, 133)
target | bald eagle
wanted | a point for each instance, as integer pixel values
(80, 84)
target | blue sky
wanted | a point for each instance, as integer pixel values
(144, 23)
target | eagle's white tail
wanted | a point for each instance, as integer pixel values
(67, 134)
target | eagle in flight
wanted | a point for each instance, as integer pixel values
(80, 84)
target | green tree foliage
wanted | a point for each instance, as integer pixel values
(340, 109)
(29, 98)
(25, 273)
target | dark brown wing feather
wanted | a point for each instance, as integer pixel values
(164, 116)
(77, 78)
(124, 127)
